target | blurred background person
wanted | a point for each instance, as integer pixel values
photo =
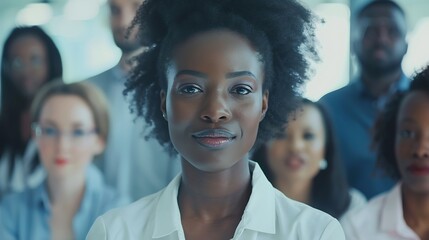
(302, 163)
(380, 46)
(71, 125)
(30, 59)
(131, 163)
(402, 144)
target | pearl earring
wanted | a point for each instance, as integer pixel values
(164, 115)
(323, 164)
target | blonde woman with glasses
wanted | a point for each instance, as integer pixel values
(70, 127)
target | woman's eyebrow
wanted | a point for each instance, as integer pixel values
(202, 75)
(240, 74)
(48, 122)
(192, 73)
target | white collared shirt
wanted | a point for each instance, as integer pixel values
(268, 215)
(382, 219)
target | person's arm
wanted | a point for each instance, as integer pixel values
(98, 230)
(333, 231)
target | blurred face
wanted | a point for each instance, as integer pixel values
(412, 141)
(28, 64)
(66, 136)
(214, 101)
(296, 155)
(122, 12)
(381, 43)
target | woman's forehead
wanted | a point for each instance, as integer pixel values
(415, 101)
(216, 49)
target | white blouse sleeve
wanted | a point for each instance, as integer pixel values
(98, 230)
(333, 231)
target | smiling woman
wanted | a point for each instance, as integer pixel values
(214, 98)
(205, 83)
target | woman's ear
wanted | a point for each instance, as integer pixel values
(163, 107)
(264, 104)
(100, 145)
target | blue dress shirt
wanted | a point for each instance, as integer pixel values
(26, 215)
(353, 113)
(129, 155)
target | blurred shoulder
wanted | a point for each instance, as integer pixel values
(365, 217)
(338, 95)
(297, 218)
(101, 78)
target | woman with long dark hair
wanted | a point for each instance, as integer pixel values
(30, 59)
(302, 162)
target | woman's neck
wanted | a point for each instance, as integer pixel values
(212, 196)
(66, 191)
(65, 196)
(299, 190)
(416, 211)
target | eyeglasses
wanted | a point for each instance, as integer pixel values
(18, 64)
(49, 134)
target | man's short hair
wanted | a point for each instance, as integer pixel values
(374, 3)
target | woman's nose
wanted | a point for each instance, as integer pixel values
(216, 108)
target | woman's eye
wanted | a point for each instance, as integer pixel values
(242, 90)
(406, 134)
(16, 64)
(36, 61)
(76, 133)
(190, 89)
(308, 136)
(49, 131)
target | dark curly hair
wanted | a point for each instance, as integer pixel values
(282, 31)
(385, 126)
(330, 190)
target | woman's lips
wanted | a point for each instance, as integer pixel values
(294, 163)
(60, 161)
(418, 170)
(214, 138)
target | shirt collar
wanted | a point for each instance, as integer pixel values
(392, 215)
(398, 86)
(42, 197)
(256, 218)
(93, 183)
(167, 217)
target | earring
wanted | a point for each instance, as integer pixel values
(164, 116)
(323, 164)
(263, 116)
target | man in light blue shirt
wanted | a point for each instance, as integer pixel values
(380, 46)
(132, 164)
(26, 215)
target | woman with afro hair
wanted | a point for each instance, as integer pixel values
(218, 78)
